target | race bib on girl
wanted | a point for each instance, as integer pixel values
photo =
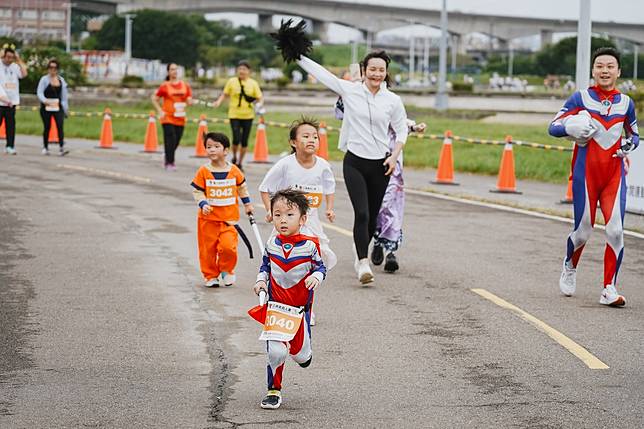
(221, 193)
(179, 110)
(313, 194)
(282, 322)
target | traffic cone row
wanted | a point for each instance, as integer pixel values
(323, 149)
(260, 155)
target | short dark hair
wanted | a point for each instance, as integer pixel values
(293, 198)
(607, 50)
(10, 50)
(377, 54)
(295, 125)
(244, 63)
(53, 61)
(217, 137)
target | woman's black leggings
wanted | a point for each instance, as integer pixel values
(171, 139)
(366, 183)
(241, 131)
(59, 118)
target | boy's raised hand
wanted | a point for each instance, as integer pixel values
(206, 209)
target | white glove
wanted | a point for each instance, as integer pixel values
(626, 148)
(260, 109)
(580, 127)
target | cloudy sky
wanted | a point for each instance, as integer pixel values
(627, 11)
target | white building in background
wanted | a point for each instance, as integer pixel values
(112, 66)
(28, 20)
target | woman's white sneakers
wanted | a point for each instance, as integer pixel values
(365, 275)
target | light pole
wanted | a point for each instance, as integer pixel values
(412, 59)
(636, 54)
(441, 95)
(68, 26)
(511, 60)
(582, 75)
(128, 36)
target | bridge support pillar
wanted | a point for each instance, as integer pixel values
(321, 28)
(546, 38)
(368, 37)
(265, 23)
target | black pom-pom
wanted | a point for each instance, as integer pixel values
(292, 40)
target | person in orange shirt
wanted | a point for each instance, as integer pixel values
(216, 187)
(176, 95)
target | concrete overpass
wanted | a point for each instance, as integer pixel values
(374, 18)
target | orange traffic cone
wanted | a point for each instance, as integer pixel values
(53, 132)
(323, 149)
(261, 145)
(568, 199)
(106, 131)
(151, 141)
(445, 171)
(200, 149)
(507, 180)
(3, 131)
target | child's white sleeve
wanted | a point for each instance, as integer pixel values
(328, 180)
(273, 178)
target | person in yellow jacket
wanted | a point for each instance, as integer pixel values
(244, 93)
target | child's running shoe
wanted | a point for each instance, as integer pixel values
(377, 255)
(391, 264)
(44, 151)
(212, 282)
(307, 363)
(228, 279)
(611, 297)
(272, 401)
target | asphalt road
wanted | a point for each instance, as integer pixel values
(105, 323)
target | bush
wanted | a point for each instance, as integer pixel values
(37, 58)
(638, 99)
(462, 87)
(131, 81)
(282, 82)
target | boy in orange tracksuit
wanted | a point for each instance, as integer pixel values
(216, 188)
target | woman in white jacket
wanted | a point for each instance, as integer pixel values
(52, 93)
(370, 110)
